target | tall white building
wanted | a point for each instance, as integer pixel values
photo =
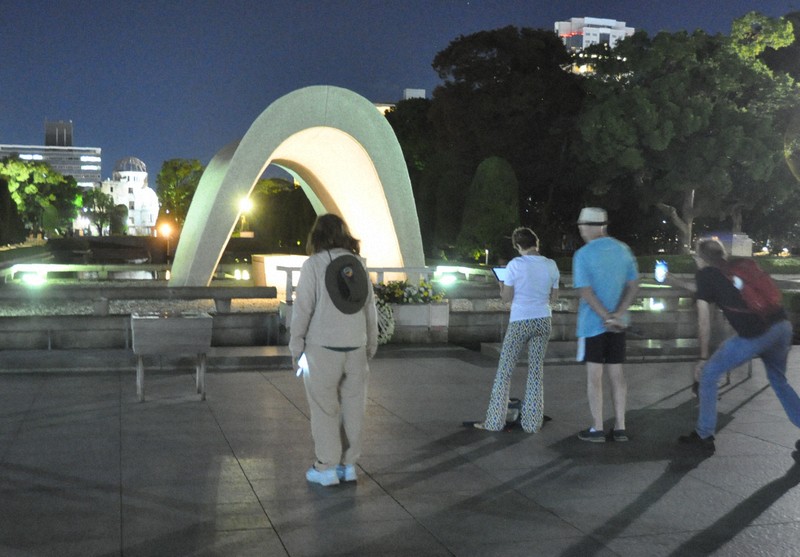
(128, 186)
(581, 32)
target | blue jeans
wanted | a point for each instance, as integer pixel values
(773, 349)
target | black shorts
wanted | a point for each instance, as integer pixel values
(606, 348)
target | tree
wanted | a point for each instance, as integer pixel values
(65, 206)
(491, 210)
(98, 208)
(414, 130)
(119, 219)
(684, 123)
(443, 187)
(768, 41)
(12, 229)
(282, 217)
(175, 186)
(34, 187)
(505, 93)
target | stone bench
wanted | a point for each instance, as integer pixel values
(170, 334)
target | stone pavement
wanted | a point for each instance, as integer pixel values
(85, 470)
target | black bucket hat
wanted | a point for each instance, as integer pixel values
(347, 284)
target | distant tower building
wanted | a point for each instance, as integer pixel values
(82, 163)
(129, 187)
(413, 94)
(581, 32)
(383, 108)
(58, 134)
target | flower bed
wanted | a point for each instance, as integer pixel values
(409, 313)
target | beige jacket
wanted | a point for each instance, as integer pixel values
(316, 320)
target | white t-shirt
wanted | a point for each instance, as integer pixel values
(533, 277)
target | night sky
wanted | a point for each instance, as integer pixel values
(182, 78)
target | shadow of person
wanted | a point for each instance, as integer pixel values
(742, 515)
(658, 444)
(663, 426)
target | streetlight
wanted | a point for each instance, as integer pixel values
(166, 230)
(245, 206)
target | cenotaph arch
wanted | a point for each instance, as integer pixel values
(345, 156)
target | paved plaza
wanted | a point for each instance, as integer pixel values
(88, 471)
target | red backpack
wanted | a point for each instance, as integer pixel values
(760, 293)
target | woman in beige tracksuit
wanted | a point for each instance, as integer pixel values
(337, 346)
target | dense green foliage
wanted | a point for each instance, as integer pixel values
(281, 217)
(12, 229)
(676, 135)
(491, 210)
(34, 187)
(688, 126)
(505, 93)
(98, 207)
(176, 184)
(119, 220)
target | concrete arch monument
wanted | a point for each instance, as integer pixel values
(345, 156)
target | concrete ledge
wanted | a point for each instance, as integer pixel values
(73, 332)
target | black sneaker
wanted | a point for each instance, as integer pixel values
(797, 445)
(697, 442)
(619, 435)
(592, 436)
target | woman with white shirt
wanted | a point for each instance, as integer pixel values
(531, 285)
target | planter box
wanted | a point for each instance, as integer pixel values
(420, 323)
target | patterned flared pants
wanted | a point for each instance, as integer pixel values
(536, 333)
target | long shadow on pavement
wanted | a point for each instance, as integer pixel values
(725, 529)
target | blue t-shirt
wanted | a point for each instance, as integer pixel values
(533, 277)
(606, 265)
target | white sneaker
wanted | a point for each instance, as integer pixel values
(346, 473)
(322, 477)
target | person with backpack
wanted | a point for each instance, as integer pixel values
(750, 301)
(334, 332)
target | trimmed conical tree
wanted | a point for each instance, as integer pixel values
(491, 209)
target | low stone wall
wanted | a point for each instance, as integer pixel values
(663, 322)
(74, 332)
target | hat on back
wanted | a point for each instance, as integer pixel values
(347, 284)
(593, 216)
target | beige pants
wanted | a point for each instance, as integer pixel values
(336, 387)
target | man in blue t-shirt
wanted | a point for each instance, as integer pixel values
(606, 277)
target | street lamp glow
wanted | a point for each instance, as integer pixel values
(245, 206)
(165, 229)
